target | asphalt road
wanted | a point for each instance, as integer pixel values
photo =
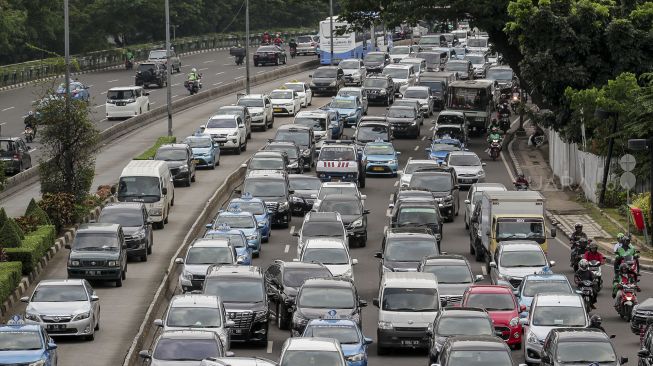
(216, 67)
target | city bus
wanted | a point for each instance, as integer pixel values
(475, 99)
(350, 44)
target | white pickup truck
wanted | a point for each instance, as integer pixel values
(339, 162)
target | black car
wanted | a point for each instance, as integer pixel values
(320, 225)
(463, 68)
(376, 61)
(379, 88)
(305, 192)
(136, 226)
(179, 158)
(242, 291)
(403, 250)
(282, 282)
(645, 354)
(270, 54)
(303, 137)
(295, 157)
(454, 274)
(405, 121)
(149, 73)
(642, 314)
(409, 193)
(14, 153)
(327, 80)
(483, 349)
(353, 215)
(443, 185)
(457, 322)
(268, 160)
(567, 346)
(319, 296)
(417, 213)
(273, 188)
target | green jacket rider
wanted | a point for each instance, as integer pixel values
(494, 135)
(192, 75)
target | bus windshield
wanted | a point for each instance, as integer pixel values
(469, 98)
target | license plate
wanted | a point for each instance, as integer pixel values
(221, 143)
(93, 273)
(321, 88)
(335, 179)
(466, 180)
(410, 342)
(277, 109)
(56, 326)
(377, 169)
(237, 331)
(120, 104)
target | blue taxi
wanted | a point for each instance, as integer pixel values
(440, 148)
(346, 331)
(237, 239)
(543, 282)
(349, 107)
(22, 344)
(206, 152)
(381, 158)
(244, 221)
(257, 207)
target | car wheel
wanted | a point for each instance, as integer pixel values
(265, 124)
(363, 242)
(119, 282)
(472, 250)
(245, 146)
(149, 246)
(276, 62)
(282, 321)
(90, 337)
(140, 111)
(188, 180)
(144, 257)
(380, 351)
(123, 276)
(215, 162)
(97, 325)
(193, 177)
(239, 149)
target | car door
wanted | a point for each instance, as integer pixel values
(95, 305)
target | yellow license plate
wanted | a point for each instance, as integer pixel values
(377, 169)
(278, 109)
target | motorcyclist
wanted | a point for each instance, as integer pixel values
(266, 38)
(193, 75)
(277, 40)
(503, 109)
(494, 124)
(292, 45)
(129, 56)
(624, 276)
(521, 180)
(494, 135)
(578, 233)
(595, 322)
(618, 244)
(30, 121)
(627, 249)
(593, 253)
(584, 274)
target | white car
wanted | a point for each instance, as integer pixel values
(421, 94)
(474, 195)
(468, 167)
(285, 101)
(418, 63)
(304, 91)
(354, 71)
(403, 76)
(514, 259)
(228, 131)
(260, 110)
(399, 53)
(333, 253)
(411, 166)
(313, 351)
(126, 102)
(202, 254)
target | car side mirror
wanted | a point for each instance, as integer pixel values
(552, 263)
(468, 202)
(354, 262)
(24, 299)
(623, 360)
(164, 191)
(392, 205)
(493, 265)
(366, 212)
(522, 308)
(378, 255)
(362, 303)
(368, 340)
(95, 298)
(179, 260)
(479, 278)
(124, 246)
(251, 245)
(209, 226)
(375, 302)
(144, 354)
(483, 164)
(158, 323)
(146, 93)
(52, 346)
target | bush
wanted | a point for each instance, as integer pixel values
(643, 202)
(35, 211)
(9, 237)
(33, 248)
(60, 208)
(103, 192)
(149, 153)
(615, 196)
(3, 216)
(27, 223)
(10, 274)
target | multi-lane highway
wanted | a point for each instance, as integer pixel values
(123, 308)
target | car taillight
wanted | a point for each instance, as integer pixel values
(16, 156)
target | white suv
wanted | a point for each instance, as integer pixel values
(260, 110)
(126, 102)
(312, 351)
(228, 131)
(333, 253)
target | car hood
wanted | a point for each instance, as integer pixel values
(197, 269)
(351, 349)
(338, 269)
(452, 289)
(304, 193)
(403, 266)
(467, 169)
(129, 230)
(408, 319)
(374, 63)
(420, 100)
(175, 163)
(201, 150)
(313, 313)
(439, 153)
(253, 110)
(100, 256)
(282, 101)
(380, 157)
(175, 363)
(345, 111)
(502, 317)
(646, 304)
(58, 308)
(541, 332)
(21, 357)
(399, 120)
(405, 178)
(520, 272)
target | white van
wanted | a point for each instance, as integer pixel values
(126, 102)
(408, 303)
(148, 181)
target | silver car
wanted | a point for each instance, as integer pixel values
(184, 347)
(64, 308)
(356, 92)
(202, 254)
(238, 361)
(468, 167)
(413, 165)
(421, 94)
(354, 71)
(474, 196)
(513, 260)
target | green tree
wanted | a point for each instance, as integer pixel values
(9, 237)
(34, 210)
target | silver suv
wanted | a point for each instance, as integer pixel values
(160, 56)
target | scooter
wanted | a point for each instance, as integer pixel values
(595, 267)
(29, 134)
(193, 86)
(627, 300)
(293, 52)
(576, 255)
(495, 149)
(586, 290)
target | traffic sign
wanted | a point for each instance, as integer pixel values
(627, 162)
(627, 180)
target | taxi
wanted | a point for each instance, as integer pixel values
(349, 107)
(237, 239)
(440, 148)
(257, 207)
(285, 101)
(22, 344)
(381, 158)
(303, 90)
(244, 221)
(354, 343)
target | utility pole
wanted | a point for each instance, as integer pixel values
(331, 30)
(67, 53)
(603, 115)
(247, 47)
(168, 68)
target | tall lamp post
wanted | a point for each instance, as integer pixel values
(67, 53)
(604, 115)
(168, 68)
(331, 31)
(247, 90)
(640, 145)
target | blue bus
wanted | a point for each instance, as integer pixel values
(351, 44)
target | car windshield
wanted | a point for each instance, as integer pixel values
(304, 39)
(296, 87)
(325, 191)
(477, 42)
(532, 288)
(396, 73)
(343, 334)
(431, 182)
(194, 317)
(450, 273)
(469, 98)
(281, 95)
(185, 349)
(417, 215)
(64, 293)
(321, 228)
(526, 258)
(458, 325)
(400, 50)
(209, 255)
(311, 358)
(490, 301)
(20, 341)
(158, 54)
(430, 40)
(413, 251)
(349, 207)
(125, 218)
(295, 277)
(318, 124)
(430, 57)
(199, 143)
(146, 67)
(256, 208)
(371, 133)
(291, 151)
(236, 221)
(349, 93)
(456, 66)
(459, 51)
(416, 93)
(559, 316)
(321, 297)
(375, 57)
(337, 154)
(120, 94)
(221, 123)
(171, 154)
(401, 112)
(585, 352)
(96, 241)
(410, 299)
(236, 289)
(326, 256)
(450, 119)
(341, 103)
(379, 150)
(267, 49)
(375, 83)
(246, 102)
(266, 164)
(464, 160)
(265, 187)
(235, 240)
(520, 229)
(444, 147)
(138, 187)
(411, 168)
(301, 138)
(475, 59)
(324, 74)
(349, 64)
(305, 184)
(499, 74)
(479, 358)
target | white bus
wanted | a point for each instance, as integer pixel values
(350, 44)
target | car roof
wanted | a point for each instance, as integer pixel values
(479, 342)
(545, 277)
(490, 289)
(413, 279)
(451, 113)
(98, 227)
(338, 197)
(322, 216)
(187, 334)
(403, 106)
(235, 270)
(418, 87)
(61, 282)
(462, 152)
(268, 153)
(324, 243)
(485, 186)
(328, 68)
(253, 96)
(195, 300)
(351, 88)
(346, 97)
(519, 246)
(123, 206)
(412, 59)
(293, 127)
(302, 265)
(313, 113)
(333, 322)
(558, 300)
(463, 312)
(581, 335)
(281, 143)
(173, 146)
(209, 242)
(231, 106)
(412, 231)
(267, 173)
(311, 344)
(328, 282)
(446, 259)
(421, 161)
(339, 184)
(125, 88)
(398, 66)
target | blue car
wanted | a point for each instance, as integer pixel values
(236, 238)
(257, 207)
(349, 107)
(206, 152)
(346, 331)
(381, 158)
(336, 123)
(534, 284)
(440, 148)
(78, 91)
(243, 221)
(22, 344)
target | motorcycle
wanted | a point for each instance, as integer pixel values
(514, 101)
(595, 267)
(504, 122)
(29, 134)
(193, 86)
(586, 290)
(520, 186)
(627, 300)
(576, 255)
(495, 149)
(238, 53)
(129, 64)
(293, 52)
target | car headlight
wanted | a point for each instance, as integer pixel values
(113, 263)
(448, 198)
(252, 237)
(357, 223)
(413, 123)
(155, 211)
(294, 165)
(480, 173)
(257, 114)
(234, 133)
(351, 114)
(283, 206)
(73, 263)
(32, 317)
(306, 152)
(385, 325)
(514, 322)
(288, 104)
(392, 162)
(532, 338)
(356, 358)
(140, 234)
(383, 92)
(37, 363)
(187, 275)
(82, 316)
(297, 199)
(333, 83)
(183, 168)
(241, 258)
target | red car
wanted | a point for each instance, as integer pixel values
(503, 308)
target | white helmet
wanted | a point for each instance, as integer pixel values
(193, 70)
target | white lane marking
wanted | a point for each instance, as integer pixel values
(209, 61)
(292, 230)
(152, 103)
(174, 96)
(218, 83)
(33, 149)
(240, 77)
(176, 84)
(260, 72)
(226, 64)
(484, 270)
(202, 69)
(99, 105)
(423, 138)
(392, 197)
(240, 68)
(269, 350)
(6, 109)
(432, 128)
(287, 248)
(219, 73)
(508, 169)
(103, 93)
(112, 81)
(396, 183)
(90, 85)
(102, 120)
(416, 147)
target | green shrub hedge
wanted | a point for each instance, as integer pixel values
(149, 153)
(10, 274)
(33, 247)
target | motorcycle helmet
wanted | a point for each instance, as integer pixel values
(594, 246)
(577, 226)
(624, 268)
(583, 241)
(620, 236)
(30, 113)
(625, 241)
(583, 264)
(520, 175)
(193, 70)
(595, 320)
(494, 121)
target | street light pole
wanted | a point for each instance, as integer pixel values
(67, 53)
(331, 30)
(603, 115)
(168, 68)
(247, 89)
